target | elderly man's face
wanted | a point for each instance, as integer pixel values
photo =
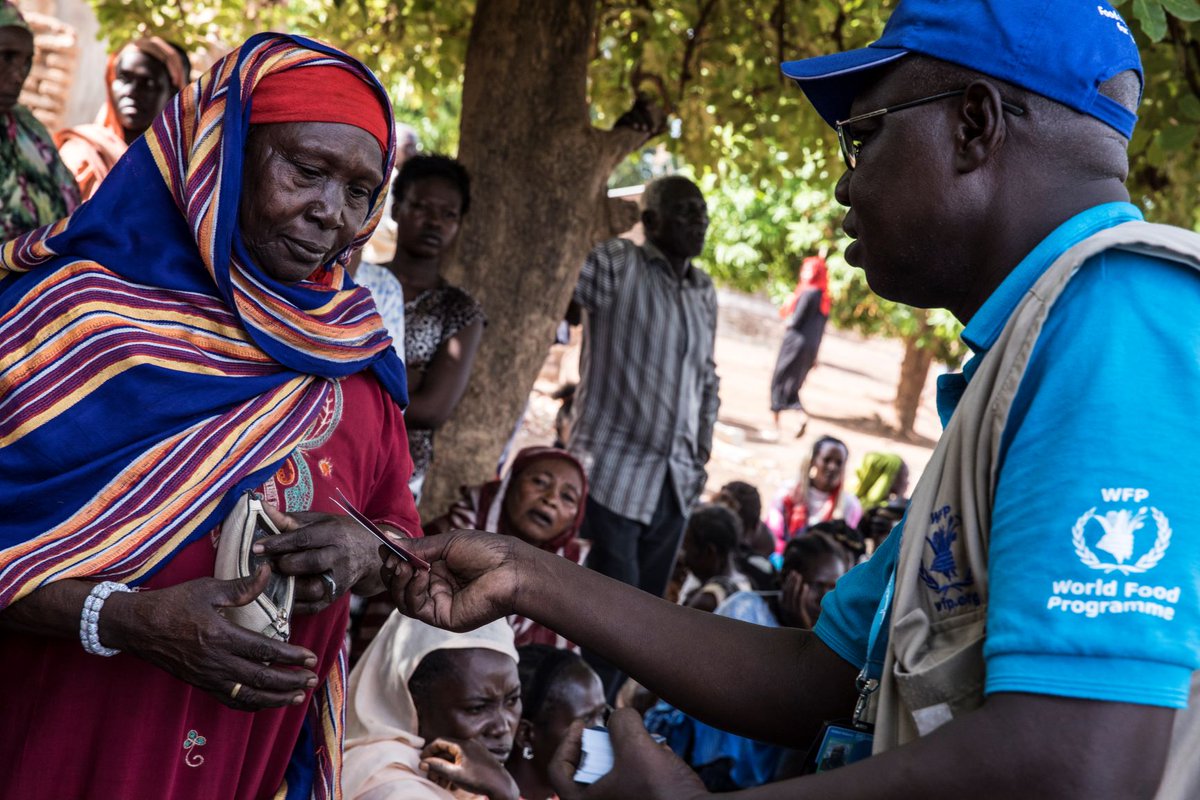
(16, 59)
(679, 226)
(306, 192)
(902, 209)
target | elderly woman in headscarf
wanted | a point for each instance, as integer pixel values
(540, 500)
(432, 715)
(189, 334)
(141, 78)
(35, 187)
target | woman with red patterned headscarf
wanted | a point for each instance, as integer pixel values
(187, 335)
(805, 313)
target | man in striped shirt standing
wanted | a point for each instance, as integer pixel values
(647, 396)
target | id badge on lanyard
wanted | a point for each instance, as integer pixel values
(847, 741)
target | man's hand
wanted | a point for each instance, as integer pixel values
(453, 763)
(313, 544)
(179, 629)
(473, 579)
(642, 767)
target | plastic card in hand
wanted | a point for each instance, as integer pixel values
(597, 756)
(403, 553)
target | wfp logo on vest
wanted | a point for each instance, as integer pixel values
(939, 569)
(1120, 533)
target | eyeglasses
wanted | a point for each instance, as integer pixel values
(852, 146)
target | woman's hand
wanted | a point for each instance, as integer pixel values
(179, 629)
(318, 548)
(473, 578)
(642, 767)
(453, 763)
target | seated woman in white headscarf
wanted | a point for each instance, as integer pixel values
(432, 714)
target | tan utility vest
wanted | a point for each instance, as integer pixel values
(934, 670)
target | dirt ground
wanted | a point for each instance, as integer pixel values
(848, 395)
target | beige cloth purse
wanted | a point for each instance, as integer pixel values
(270, 613)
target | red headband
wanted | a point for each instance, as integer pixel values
(320, 94)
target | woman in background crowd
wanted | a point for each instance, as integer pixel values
(432, 715)
(442, 323)
(819, 496)
(805, 313)
(557, 688)
(141, 78)
(883, 490)
(540, 501)
(35, 187)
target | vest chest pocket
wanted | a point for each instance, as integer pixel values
(938, 666)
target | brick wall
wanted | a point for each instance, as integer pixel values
(48, 87)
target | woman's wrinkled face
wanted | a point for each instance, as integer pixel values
(478, 698)
(543, 500)
(828, 466)
(16, 59)
(140, 89)
(306, 193)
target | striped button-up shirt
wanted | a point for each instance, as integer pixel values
(647, 397)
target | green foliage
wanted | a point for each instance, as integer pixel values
(765, 159)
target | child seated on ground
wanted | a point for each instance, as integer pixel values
(557, 688)
(753, 557)
(709, 544)
(432, 715)
(726, 762)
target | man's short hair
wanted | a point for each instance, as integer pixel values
(656, 190)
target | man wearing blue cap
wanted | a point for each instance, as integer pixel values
(1034, 629)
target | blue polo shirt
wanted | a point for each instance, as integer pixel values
(1094, 559)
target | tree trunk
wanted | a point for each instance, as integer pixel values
(913, 372)
(538, 176)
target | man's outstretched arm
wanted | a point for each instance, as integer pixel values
(771, 684)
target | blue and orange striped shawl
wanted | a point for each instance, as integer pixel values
(149, 370)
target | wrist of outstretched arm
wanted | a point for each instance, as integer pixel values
(537, 580)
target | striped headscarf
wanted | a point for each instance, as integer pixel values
(149, 370)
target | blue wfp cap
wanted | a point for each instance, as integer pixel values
(1060, 49)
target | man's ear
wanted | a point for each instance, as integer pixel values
(981, 126)
(649, 220)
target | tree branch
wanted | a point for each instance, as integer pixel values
(1188, 51)
(692, 47)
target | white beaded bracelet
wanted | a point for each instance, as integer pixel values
(89, 620)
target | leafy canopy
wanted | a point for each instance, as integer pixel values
(764, 158)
